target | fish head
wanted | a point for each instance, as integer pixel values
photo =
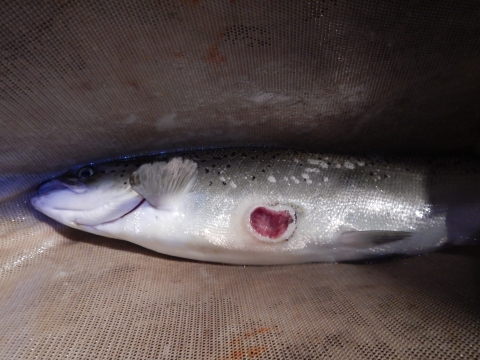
(89, 196)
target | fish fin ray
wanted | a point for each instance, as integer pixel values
(370, 238)
(164, 185)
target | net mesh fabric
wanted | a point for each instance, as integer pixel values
(91, 80)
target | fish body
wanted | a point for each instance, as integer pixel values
(270, 206)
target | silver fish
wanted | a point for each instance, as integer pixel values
(270, 206)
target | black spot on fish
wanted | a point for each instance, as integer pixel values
(228, 166)
(233, 153)
(124, 183)
(218, 172)
(268, 165)
(263, 170)
(253, 177)
(213, 165)
(224, 183)
(371, 173)
(121, 175)
(206, 171)
(209, 183)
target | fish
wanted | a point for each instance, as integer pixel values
(269, 206)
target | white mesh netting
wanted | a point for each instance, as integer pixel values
(90, 80)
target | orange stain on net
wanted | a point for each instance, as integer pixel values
(250, 353)
(214, 56)
(262, 330)
(178, 55)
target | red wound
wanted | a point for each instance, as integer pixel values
(270, 223)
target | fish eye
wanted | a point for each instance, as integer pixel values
(85, 172)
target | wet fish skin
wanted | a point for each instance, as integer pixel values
(338, 204)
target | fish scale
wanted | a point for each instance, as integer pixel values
(337, 208)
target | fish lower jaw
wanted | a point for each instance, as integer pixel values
(79, 224)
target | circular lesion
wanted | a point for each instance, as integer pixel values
(272, 223)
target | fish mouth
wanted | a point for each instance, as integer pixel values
(53, 185)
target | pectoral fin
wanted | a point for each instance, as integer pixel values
(366, 239)
(164, 185)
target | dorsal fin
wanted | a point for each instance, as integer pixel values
(164, 185)
(366, 239)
